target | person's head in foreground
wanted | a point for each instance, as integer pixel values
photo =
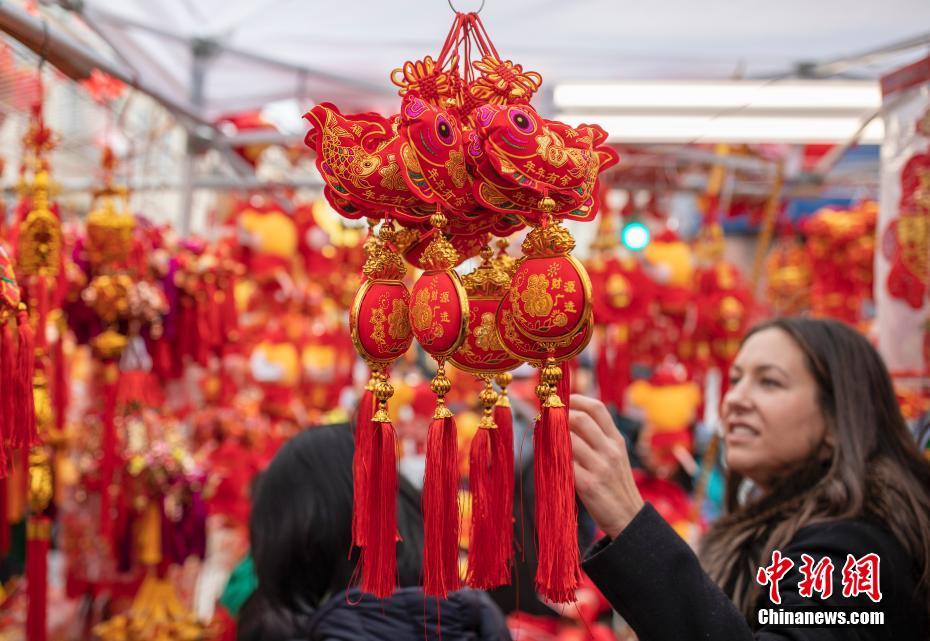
(300, 542)
(811, 419)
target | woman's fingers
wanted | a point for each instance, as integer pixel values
(597, 411)
(582, 453)
(582, 424)
(603, 478)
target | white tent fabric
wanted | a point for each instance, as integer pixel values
(266, 50)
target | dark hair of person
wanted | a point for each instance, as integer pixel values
(875, 470)
(300, 531)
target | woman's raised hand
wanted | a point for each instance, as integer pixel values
(603, 477)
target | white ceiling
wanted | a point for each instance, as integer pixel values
(350, 47)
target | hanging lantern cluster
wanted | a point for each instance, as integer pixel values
(466, 158)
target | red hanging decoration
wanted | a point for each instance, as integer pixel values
(24, 433)
(491, 456)
(365, 433)
(467, 157)
(38, 533)
(381, 333)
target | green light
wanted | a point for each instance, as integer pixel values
(635, 236)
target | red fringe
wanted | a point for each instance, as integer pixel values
(379, 556)
(24, 433)
(59, 384)
(558, 573)
(441, 510)
(491, 540)
(37, 578)
(202, 326)
(43, 301)
(8, 385)
(108, 447)
(365, 432)
(5, 534)
(504, 421)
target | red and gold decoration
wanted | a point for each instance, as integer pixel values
(468, 157)
(906, 242)
(623, 307)
(381, 331)
(841, 245)
(491, 459)
(439, 316)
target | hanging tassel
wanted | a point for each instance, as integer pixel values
(24, 434)
(503, 418)
(38, 532)
(5, 534)
(440, 498)
(6, 412)
(8, 385)
(59, 382)
(558, 572)
(365, 432)
(202, 324)
(491, 539)
(379, 555)
(42, 300)
(108, 447)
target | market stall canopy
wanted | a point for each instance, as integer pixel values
(226, 56)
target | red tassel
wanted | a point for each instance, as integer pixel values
(202, 325)
(504, 421)
(43, 301)
(365, 432)
(440, 507)
(24, 433)
(5, 535)
(8, 385)
(60, 384)
(558, 573)
(489, 553)
(379, 556)
(108, 447)
(37, 539)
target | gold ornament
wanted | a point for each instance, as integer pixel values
(549, 239)
(40, 480)
(40, 234)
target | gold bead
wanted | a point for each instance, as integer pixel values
(440, 385)
(547, 205)
(486, 253)
(551, 373)
(542, 391)
(383, 390)
(503, 379)
(487, 397)
(438, 220)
